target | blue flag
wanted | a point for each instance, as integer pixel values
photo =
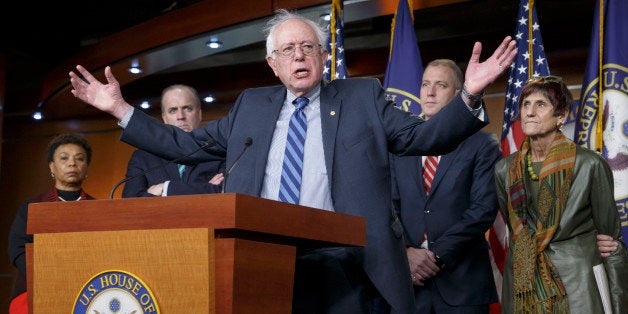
(335, 67)
(530, 61)
(608, 60)
(404, 72)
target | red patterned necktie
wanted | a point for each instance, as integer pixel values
(429, 169)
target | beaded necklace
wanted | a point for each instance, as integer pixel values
(533, 175)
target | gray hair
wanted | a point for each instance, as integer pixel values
(283, 15)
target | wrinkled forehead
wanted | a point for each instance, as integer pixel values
(183, 100)
(181, 103)
(294, 31)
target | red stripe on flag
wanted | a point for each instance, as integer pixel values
(511, 142)
(499, 251)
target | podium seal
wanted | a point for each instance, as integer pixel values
(115, 292)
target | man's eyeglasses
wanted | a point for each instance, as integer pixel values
(287, 50)
(544, 79)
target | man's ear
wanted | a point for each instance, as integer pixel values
(272, 64)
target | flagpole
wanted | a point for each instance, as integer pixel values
(599, 132)
(530, 36)
(334, 13)
(393, 25)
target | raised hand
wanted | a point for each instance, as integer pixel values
(106, 97)
(480, 74)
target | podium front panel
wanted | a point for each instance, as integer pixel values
(177, 265)
(254, 277)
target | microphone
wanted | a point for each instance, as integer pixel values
(247, 142)
(208, 143)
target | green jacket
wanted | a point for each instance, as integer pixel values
(590, 210)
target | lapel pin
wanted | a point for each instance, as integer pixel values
(332, 113)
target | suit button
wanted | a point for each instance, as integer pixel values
(427, 211)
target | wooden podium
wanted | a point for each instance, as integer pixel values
(214, 253)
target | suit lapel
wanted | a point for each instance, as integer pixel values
(417, 167)
(188, 172)
(330, 115)
(445, 162)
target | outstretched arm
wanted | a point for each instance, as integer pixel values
(106, 97)
(480, 74)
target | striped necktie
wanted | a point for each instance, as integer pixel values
(290, 188)
(181, 170)
(429, 169)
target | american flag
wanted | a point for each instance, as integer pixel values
(530, 61)
(335, 67)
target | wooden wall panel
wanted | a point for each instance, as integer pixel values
(6, 270)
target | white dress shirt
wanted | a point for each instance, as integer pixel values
(315, 191)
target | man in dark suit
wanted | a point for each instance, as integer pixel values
(446, 212)
(350, 130)
(155, 176)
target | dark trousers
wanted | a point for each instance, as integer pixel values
(429, 301)
(331, 280)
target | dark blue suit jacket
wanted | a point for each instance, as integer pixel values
(195, 177)
(460, 208)
(360, 128)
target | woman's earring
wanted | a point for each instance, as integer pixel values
(52, 175)
(559, 125)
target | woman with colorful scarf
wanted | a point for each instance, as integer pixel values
(556, 197)
(68, 156)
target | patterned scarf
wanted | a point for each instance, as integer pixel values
(537, 284)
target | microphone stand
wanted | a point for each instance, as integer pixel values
(247, 142)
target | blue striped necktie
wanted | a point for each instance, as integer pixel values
(181, 170)
(290, 188)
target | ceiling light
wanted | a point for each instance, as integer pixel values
(214, 43)
(37, 115)
(135, 70)
(135, 67)
(145, 104)
(209, 99)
